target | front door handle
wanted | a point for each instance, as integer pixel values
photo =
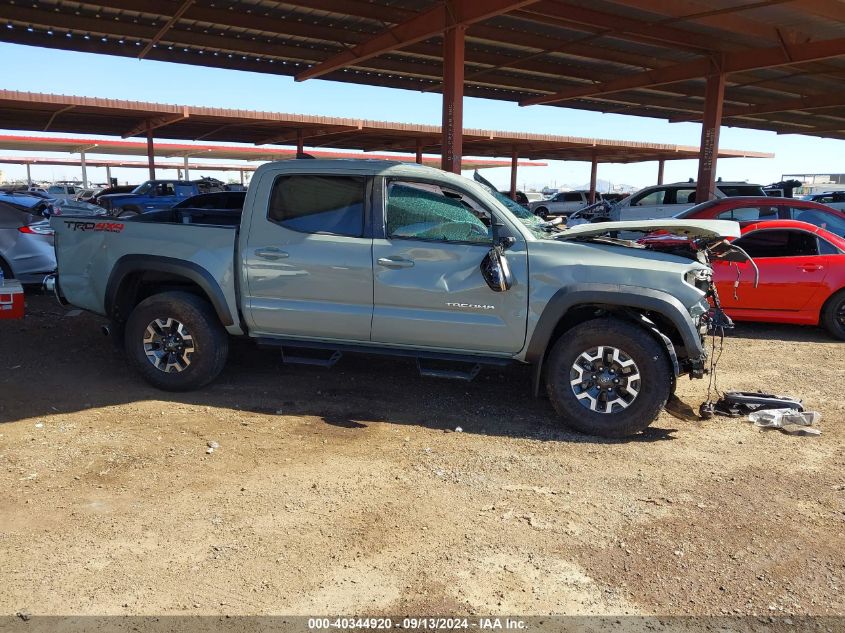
(809, 268)
(271, 253)
(394, 262)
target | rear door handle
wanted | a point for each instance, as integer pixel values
(271, 253)
(394, 262)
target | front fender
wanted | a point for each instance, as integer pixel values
(615, 295)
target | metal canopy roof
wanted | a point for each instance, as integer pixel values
(639, 57)
(59, 113)
(172, 150)
(133, 164)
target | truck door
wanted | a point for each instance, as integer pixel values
(428, 290)
(307, 260)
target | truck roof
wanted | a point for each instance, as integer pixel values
(360, 165)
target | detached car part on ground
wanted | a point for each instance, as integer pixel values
(330, 257)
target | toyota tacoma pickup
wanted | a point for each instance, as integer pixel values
(334, 256)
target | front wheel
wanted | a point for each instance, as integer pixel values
(608, 377)
(833, 315)
(176, 341)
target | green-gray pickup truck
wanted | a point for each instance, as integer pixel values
(334, 256)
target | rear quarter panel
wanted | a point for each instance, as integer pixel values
(87, 251)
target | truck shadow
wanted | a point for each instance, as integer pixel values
(56, 361)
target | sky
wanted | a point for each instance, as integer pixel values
(53, 71)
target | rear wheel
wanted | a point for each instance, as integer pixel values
(176, 342)
(543, 212)
(609, 378)
(833, 315)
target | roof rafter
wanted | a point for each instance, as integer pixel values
(784, 105)
(291, 135)
(153, 124)
(416, 29)
(725, 63)
(167, 26)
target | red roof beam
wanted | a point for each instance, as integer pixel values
(416, 29)
(735, 61)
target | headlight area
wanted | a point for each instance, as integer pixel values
(699, 278)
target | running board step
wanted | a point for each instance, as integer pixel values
(450, 372)
(316, 360)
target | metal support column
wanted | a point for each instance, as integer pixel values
(300, 143)
(187, 169)
(28, 176)
(514, 162)
(714, 96)
(151, 153)
(453, 98)
(419, 151)
(242, 176)
(594, 169)
(660, 165)
(108, 175)
(84, 170)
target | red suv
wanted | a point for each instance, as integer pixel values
(757, 209)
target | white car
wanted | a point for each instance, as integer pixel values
(562, 204)
(63, 191)
(666, 201)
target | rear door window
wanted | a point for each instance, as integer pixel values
(573, 197)
(732, 191)
(332, 205)
(685, 195)
(749, 214)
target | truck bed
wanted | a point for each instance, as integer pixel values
(206, 217)
(88, 251)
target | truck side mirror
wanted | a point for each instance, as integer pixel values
(496, 270)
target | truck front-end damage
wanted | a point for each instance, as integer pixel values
(663, 268)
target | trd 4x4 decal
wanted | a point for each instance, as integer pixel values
(80, 225)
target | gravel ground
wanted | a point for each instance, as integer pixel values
(349, 490)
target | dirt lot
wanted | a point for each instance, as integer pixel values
(349, 489)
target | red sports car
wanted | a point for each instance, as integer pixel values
(802, 276)
(756, 209)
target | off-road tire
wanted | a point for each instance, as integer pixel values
(830, 316)
(209, 338)
(651, 360)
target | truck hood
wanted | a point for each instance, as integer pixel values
(118, 196)
(706, 229)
